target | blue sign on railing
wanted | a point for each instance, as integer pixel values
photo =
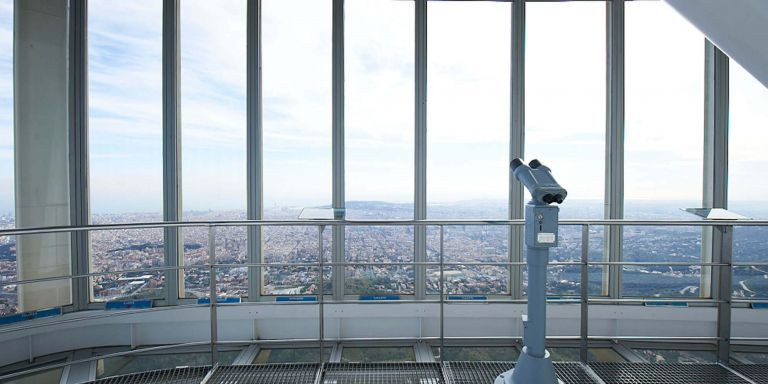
(468, 298)
(219, 300)
(295, 298)
(129, 304)
(24, 316)
(681, 304)
(379, 298)
(759, 305)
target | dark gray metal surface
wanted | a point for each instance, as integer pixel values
(459, 372)
(382, 373)
(186, 375)
(755, 372)
(644, 373)
(299, 373)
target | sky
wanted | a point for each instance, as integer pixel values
(467, 108)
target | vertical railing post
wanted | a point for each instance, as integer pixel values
(212, 279)
(584, 346)
(724, 293)
(321, 316)
(442, 297)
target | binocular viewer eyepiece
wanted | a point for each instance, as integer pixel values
(539, 181)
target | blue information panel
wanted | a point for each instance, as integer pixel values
(478, 298)
(759, 305)
(377, 298)
(129, 304)
(219, 300)
(681, 304)
(295, 298)
(24, 316)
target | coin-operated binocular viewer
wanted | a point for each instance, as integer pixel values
(534, 365)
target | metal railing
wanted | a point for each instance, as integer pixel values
(584, 298)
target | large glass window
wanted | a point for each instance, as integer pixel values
(377, 354)
(213, 109)
(664, 95)
(8, 298)
(565, 121)
(748, 178)
(379, 97)
(296, 38)
(125, 122)
(468, 140)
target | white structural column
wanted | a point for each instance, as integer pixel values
(254, 138)
(174, 247)
(420, 147)
(337, 138)
(41, 149)
(717, 242)
(614, 145)
(516, 144)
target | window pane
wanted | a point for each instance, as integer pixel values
(604, 355)
(664, 111)
(383, 244)
(469, 243)
(664, 127)
(122, 365)
(565, 99)
(291, 355)
(125, 122)
(380, 354)
(676, 357)
(8, 299)
(213, 109)
(379, 67)
(296, 36)
(747, 175)
(468, 109)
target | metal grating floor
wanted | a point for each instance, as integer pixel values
(184, 375)
(755, 372)
(485, 372)
(298, 373)
(645, 373)
(459, 372)
(382, 373)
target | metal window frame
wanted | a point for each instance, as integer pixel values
(79, 201)
(420, 147)
(172, 204)
(516, 145)
(614, 145)
(337, 147)
(255, 144)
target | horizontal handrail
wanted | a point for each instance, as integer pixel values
(428, 222)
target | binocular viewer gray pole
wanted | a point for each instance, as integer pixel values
(534, 365)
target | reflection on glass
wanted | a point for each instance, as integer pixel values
(51, 376)
(477, 353)
(121, 365)
(377, 354)
(751, 357)
(469, 243)
(290, 355)
(468, 109)
(125, 143)
(676, 356)
(603, 355)
(366, 244)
